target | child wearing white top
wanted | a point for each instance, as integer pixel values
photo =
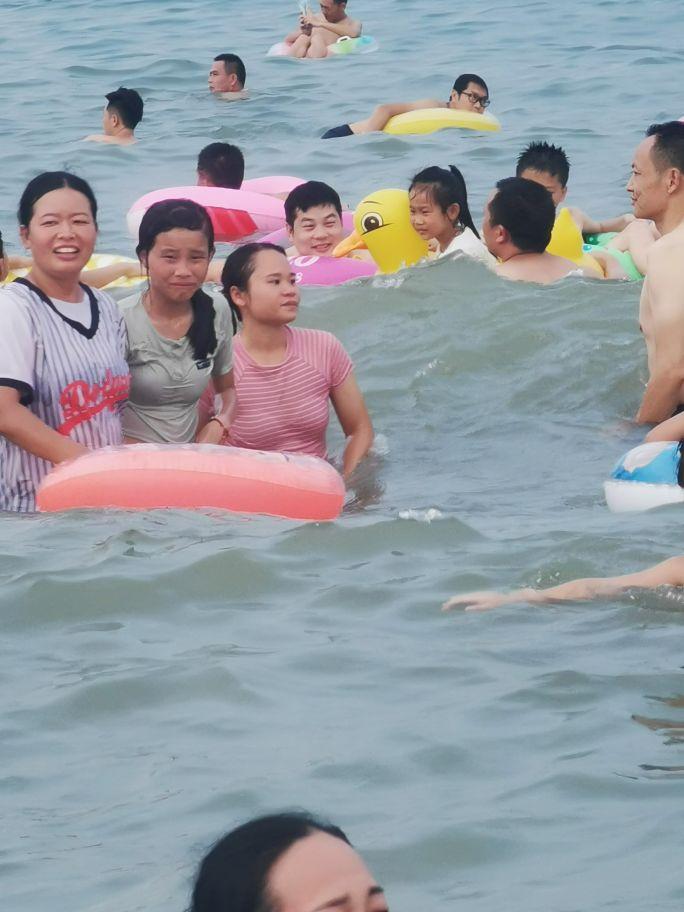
(438, 203)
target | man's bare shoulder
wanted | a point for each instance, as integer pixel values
(667, 254)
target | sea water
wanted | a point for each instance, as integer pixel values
(167, 675)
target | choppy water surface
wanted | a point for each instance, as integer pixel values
(167, 675)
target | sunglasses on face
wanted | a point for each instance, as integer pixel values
(481, 100)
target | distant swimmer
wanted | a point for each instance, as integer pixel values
(122, 114)
(518, 220)
(220, 165)
(657, 190)
(317, 32)
(669, 573)
(548, 165)
(227, 77)
(469, 93)
(438, 206)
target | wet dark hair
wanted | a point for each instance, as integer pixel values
(548, 159)
(223, 164)
(308, 195)
(180, 213)
(668, 150)
(462, 82)
(233, 875)
(2, 249)
(233, 64)
(445, 187)
(237, 271)
(46, 183)
(526, 210)
(128, 105)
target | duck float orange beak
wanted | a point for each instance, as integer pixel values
(383, 227)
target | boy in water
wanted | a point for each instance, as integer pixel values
(122, 114)
(469, 93)
(549, 166)
(317, 32)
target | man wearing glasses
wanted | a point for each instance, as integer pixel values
(470, 93)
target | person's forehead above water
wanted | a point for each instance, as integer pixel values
(322, 873)
(324, 212)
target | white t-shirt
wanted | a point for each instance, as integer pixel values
(467, 242)
(71, 373)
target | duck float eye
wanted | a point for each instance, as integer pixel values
(371, 222)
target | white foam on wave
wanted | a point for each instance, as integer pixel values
(426, 516)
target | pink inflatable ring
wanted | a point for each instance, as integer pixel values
(195, 476)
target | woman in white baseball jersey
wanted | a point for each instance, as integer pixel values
(63, 371)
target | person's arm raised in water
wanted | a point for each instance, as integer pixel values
(667, 573)
(384, 112)
(351, 411)
(665, 287)
(347, 28)
(588, 225)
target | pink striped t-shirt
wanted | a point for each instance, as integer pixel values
(286, 407)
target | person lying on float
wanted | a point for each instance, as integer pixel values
(469, 93)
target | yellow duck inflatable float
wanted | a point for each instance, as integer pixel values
(567, 241)
(383, 227)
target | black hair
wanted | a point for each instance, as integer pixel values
(526, 210)
(548, 159)
(446, 187)
(233, 875)
(233, 64)
(668, 150)
(180, 213)
(223, 164)
(237, 271)
(46, 183)
(2, 249)
(308, 195)
(462, 82)
(128, 105)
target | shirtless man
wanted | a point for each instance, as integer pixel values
(469, 93)
(657, 190)
(122, 114)
(517, 225)
(317, 32)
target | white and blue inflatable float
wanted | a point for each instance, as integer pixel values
(646, 477)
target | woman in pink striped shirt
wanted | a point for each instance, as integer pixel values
(285, 378)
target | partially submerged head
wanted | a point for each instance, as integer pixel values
(124, 110)
(313, 214)
(546, 165)
(227, 74)
(469, 93)
(657, 180)
(259, 284)
(518, 218)
(220, 165)
(285, 863)
(58, 223)
(438, 203)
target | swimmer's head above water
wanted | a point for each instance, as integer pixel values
(438, 204)
(288, 862)
(469, 93)
(313, 213)
(546, 165)
(518, 218)
(220, 165)
(124, 110)
(227, 74)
